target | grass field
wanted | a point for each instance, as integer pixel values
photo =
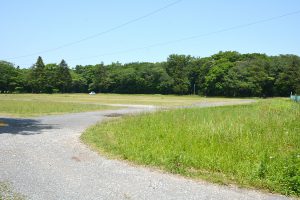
(160, 100)
(37, 108)
(27, 105)
(255, 145)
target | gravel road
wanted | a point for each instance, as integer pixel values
(43, 158)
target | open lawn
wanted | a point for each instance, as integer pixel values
(23, 108)
(156, 99)
(27, 105)
(255, 145)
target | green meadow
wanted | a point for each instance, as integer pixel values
(141, 99)
(21, 108)
(256, 145)
(28, 105)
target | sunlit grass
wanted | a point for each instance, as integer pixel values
(37, 108)
(157, 99)
(254, 145)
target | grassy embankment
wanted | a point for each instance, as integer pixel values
(255, 145)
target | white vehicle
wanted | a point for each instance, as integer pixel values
(92, 93)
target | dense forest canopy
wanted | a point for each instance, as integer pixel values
(223, 74)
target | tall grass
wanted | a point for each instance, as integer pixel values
(37, 108)
(254, 145)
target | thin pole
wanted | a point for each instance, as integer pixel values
(194, 89)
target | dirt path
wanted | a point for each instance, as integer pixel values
(43, 158)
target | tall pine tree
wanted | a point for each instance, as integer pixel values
(63, 77)
(37, 77)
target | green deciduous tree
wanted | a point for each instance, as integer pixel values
(8, 77)
(247, 78)
(177, 67)
(289, 75)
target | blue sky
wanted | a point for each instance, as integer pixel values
(33, 26)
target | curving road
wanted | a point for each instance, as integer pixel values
(43, 158)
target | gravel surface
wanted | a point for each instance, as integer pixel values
(43, 158)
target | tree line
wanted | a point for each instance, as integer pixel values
(223, 74)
